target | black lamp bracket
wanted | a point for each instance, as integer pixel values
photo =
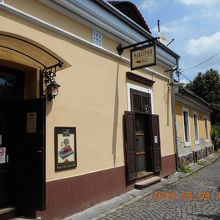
(121, 49)
(49, 73)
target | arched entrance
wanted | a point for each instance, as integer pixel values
(24, 67)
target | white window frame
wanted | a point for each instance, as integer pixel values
(186, 143)
(196, 127)
(206, 128)
(141, 89)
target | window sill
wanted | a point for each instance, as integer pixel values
(187, 144)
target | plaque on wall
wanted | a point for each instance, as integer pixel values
(65, 148)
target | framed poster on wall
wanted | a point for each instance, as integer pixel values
(65, 148)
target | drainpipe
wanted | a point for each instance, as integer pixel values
(174, 117)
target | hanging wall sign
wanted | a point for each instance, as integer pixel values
(143, 56)
(65, 148)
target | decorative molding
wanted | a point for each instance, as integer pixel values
(139, 79)
(71, 36)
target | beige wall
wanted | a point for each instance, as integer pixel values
(92, 97)
(201, 124)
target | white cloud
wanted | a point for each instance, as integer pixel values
(204, 3)
(201, 54)
(209, 45)
(149, 5)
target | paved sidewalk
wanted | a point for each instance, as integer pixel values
(103, 209)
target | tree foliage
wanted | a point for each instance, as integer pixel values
(207, 86)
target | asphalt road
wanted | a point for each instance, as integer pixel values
(194, 197)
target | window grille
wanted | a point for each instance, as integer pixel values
(97, 38)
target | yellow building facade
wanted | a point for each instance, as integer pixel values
(193, 127)
(67, 148)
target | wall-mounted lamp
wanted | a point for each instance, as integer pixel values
(52, 90)
(52, 87)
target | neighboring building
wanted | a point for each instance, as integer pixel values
(193, 127)
(59, 156)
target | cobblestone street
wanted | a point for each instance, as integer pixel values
(194, 197)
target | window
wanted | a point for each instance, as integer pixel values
(140, 101)
(97, 38)
(206, 127)
(196, 129)
(185, 113)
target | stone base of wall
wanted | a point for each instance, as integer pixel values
(194, 156)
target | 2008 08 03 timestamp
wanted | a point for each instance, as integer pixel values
(184, 196)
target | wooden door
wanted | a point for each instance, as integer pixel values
(32, 155)
(153, 142)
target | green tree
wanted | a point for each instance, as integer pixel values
(207, 86)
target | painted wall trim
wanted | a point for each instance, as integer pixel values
(141, 89)
(51, 27)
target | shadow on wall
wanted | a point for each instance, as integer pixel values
(115, 118)
(49, 105)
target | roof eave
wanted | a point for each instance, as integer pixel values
(119, 14)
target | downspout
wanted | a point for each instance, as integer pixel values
(174, 118)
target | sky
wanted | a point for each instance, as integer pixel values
(195, 27)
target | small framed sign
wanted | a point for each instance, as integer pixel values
(143, 56)
(65, 148)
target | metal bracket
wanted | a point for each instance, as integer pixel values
(121, 49)
(49, 73)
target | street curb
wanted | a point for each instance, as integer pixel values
(107, 207)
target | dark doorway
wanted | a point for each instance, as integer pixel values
(140, 145)
(11, 92)
(22, 140)
(141, 103)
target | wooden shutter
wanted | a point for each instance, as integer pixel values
(154, 128)
(130, 145)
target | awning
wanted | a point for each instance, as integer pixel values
(31, 51)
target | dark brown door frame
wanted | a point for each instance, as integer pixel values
(152, 143)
